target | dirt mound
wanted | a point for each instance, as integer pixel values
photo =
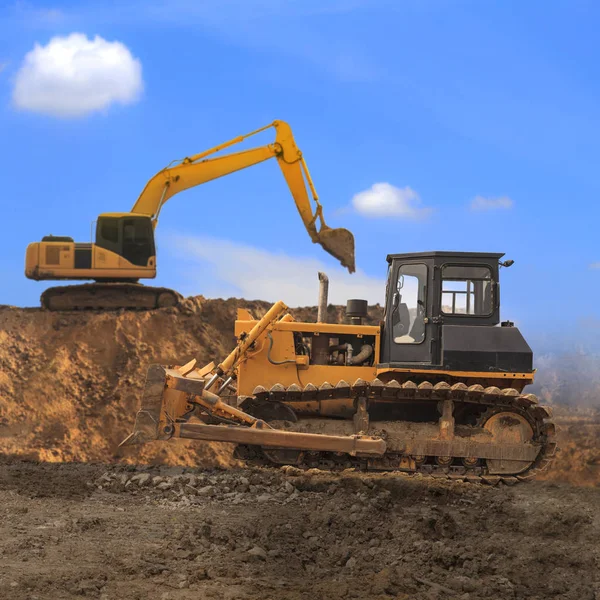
(70, 383)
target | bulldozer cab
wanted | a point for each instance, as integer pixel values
(128, 235)
(431, 290)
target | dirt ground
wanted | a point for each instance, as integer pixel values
(114, 532)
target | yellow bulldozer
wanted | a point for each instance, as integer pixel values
(436, 388)
(124, 250)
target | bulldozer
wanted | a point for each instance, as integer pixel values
(436, 387)
(124, 250)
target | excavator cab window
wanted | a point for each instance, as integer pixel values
(110, 230)
(129, 237)
(138, 245)
(107, 234)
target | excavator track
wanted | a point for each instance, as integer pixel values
(488, 407)
(108, 296)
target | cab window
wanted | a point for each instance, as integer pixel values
(110, 230)
(408, 324)
(467, 290)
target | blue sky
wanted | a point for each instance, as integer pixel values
(452, 99)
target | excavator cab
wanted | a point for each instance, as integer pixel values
(128, 235)
(443, 310)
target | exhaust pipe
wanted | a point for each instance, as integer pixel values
(323, 294)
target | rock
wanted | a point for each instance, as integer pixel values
(264, 498)
(157, 479)
(141, 479)
(258, 552)
(382, 581)
(163, 486)
(208, 491)
(351, 562)
(289, 488)
(292, 471)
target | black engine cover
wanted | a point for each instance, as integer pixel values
(481, 348)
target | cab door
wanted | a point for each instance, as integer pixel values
(137, 240)
(407, 330)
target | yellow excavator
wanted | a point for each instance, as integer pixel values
(124, 251)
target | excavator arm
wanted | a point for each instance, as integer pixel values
(203, 167)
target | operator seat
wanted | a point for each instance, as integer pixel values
(401, 324)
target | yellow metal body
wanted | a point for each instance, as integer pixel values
(256, 369)
(55, 260)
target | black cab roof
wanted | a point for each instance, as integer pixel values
(446, 254)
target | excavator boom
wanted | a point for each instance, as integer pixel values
(204, 167)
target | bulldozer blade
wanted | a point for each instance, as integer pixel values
(340, 244)
(148, 417)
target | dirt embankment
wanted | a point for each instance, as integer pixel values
(70, 383)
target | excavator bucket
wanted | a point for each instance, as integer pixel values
(340, 244)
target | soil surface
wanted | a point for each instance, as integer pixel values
(113, 532)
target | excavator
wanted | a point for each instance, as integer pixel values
(124, 250)
(436, 388)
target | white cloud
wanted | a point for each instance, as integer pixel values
(386, 200)
(482, 203)
(229, 268)
(74, 76)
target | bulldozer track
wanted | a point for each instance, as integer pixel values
(491, 401)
